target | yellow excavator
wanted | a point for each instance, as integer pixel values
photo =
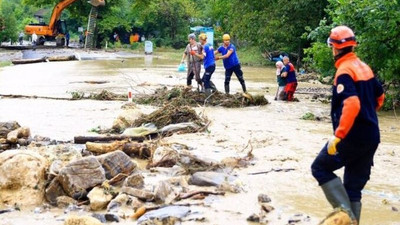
(56, 29)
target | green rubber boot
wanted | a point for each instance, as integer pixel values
(213, 87)
(337, 195)
(208, 91)
(356, 208)
(227, 89)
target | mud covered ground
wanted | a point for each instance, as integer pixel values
(280, 140)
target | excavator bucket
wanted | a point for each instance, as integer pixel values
(96, 3)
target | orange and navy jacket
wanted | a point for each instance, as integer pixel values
(357, 94)
(291, 73)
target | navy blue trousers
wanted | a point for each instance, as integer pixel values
(207, 76)
(238, 72)
(357, 160)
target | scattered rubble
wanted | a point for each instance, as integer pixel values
(105, 176)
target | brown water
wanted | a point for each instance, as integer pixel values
(278, 137)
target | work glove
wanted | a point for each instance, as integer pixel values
(332, 142)
(192, 52)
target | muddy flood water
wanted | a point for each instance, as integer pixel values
(280, 139)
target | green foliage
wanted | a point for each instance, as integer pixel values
(275, 24)
(375, 24)
(77, 95)
(137, 46)
(308, 116)
(117, 44)
(376, 27)
(5, 63)
(319, 58)
(10, 31)
(166, 20)
(252, 56)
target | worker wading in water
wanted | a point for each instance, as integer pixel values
(231, 62)
(357, 95)
(193, 51)
(209, 64)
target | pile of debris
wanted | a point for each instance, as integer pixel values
(170, 114)
(180, 96)
(90, 181)
(104, 95)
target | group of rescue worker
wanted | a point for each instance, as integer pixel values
(203, 53)
(356, 96)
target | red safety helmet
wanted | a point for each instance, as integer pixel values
(341, 37)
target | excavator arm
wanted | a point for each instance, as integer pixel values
(51, 30)
(55, 16)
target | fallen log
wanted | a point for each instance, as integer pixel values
(61, 58)
(140, 150)
(84, 139)
(33, 96)
(27, 61)
(102, 148)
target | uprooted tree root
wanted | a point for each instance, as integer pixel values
(170, 114)
(180, 96)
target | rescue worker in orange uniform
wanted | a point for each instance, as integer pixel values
(357, 95)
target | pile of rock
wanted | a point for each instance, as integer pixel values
(12, 134)
(111, 186)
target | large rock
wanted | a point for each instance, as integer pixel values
(126, 118)
(78, 176)
(138, 193)
(165, 157)
(135, 180)
(15, 135)
(22, 178)
(211, 179)
(164, 192)
(115, 163)
(99, 198)
(169, 215)
(53, 191)
(63, 153)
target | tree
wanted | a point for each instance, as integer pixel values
(276, 24)
(375, 23)
(165, 20)
(9, 30)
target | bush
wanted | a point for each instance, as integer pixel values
(179, 44)
(136, 45)
(319, 59)
(117, 44)
(251, 56)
